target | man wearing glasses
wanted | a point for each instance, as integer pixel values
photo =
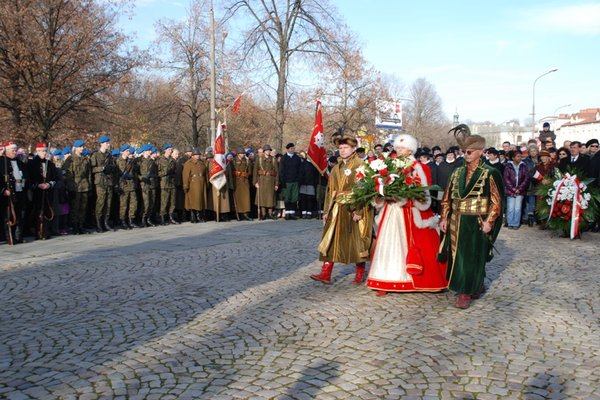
(594, 170)
(471, 218)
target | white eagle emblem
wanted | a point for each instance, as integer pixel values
(320, 140)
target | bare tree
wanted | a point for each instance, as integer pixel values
(188, 42)
(352, 89)
(57, 57)
(424, 116)
(279, 31)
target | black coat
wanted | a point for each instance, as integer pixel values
(289, 168)
(582, 164)
(309, 175)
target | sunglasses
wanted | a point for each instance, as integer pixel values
(562, 154)
(593, 145)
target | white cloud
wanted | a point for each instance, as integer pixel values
(582, 19)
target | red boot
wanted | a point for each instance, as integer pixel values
(359, 274)
(463, 301)
(325, 275)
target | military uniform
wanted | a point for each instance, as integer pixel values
(166, 174)
(194, 181)
(219, 198)
(128, 184)
(104, 172)
(42, 171)
(14, 177)
(266, 174)
(148, 172)
(78, 175)
(240, 174)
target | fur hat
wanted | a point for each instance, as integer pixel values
(465, 140)
(407, 142)
(343, 139)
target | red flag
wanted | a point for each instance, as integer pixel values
(217, 168)
(317, 154)
(236, 104)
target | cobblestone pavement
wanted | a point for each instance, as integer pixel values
(227, 311)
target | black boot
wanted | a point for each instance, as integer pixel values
(245, 217)
(193, 217)
(530, 221)
(99, 226)
(124, 225)
(201, 216)
(132, 224)
(163, 220)
(108, 225)
(173, 220)
(149, 222)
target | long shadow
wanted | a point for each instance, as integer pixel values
(313, 379)
(71, 316)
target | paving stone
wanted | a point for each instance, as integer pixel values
(226, 311)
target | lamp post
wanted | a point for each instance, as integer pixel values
(558, 108)
(533, 106)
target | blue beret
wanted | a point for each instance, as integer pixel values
(115, 152)
(66, 150)
(104, 139)
(86, 152)
(57, 152)
(78, 143)
(153, 149)
(125, 147)
(167, 146)
(131, 149)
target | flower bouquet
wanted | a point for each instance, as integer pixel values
(389, 177)
(567, 203)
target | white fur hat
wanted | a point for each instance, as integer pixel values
(406, 141)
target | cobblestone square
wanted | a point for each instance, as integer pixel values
(227, 311)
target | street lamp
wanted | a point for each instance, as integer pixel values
(533, 106)
(558, 108)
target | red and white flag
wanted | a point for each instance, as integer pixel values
(236, 104)
(317, 153)
(217, 168)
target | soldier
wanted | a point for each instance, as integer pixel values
(265, 178)
(194, 181)
(347, 232)
(78, 173)
(13, 190)
(241, 171)
(104, 173)
(42, 180)
(179, 193)
(148, 179)
(220, 197)
(166, 172)
(128, 184)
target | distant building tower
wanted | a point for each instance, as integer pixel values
(455, 119)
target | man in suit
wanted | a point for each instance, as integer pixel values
(576, 162)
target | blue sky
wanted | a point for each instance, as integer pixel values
(482, 57)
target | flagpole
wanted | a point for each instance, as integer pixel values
(213, 83)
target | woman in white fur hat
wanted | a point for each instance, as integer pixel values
(407, 241)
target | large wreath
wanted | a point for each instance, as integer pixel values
(567, 203)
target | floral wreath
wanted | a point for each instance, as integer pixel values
(567, 202)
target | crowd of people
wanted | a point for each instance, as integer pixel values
(74, 190)
(412, 244)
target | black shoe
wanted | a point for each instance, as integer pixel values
(173, 220)
(530, 221)
(132, 224)
(125, 226)
(99, 227)
(245, 217)
(108, 225)
(293, 217)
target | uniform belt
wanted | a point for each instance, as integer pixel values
(471, 206)
(195, 175)
(241, 173)
(263, 172)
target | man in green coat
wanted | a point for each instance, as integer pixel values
(104, 172)
(78, 173)
(471, 217)
(166, 173)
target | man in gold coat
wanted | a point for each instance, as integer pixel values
(195, 179)
(241, 171)
(348, 232)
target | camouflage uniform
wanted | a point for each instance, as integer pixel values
(78, 173)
